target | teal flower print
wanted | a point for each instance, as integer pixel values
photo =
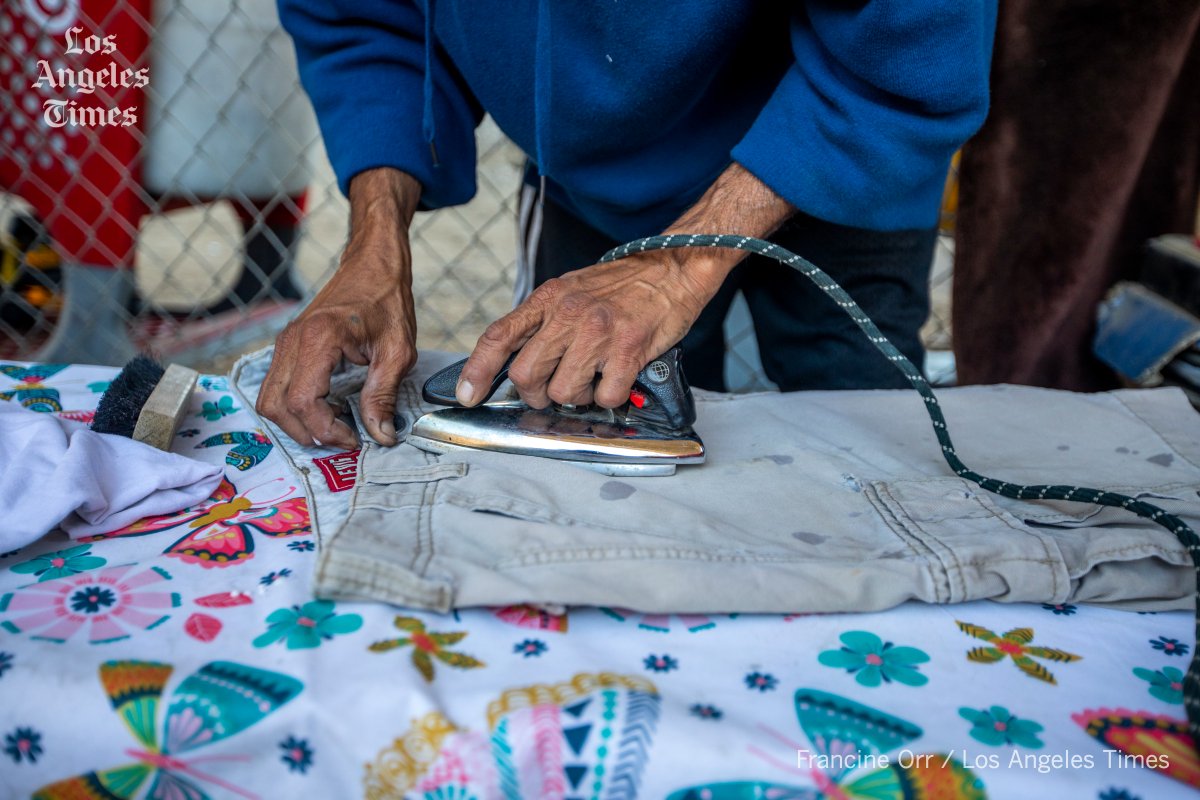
(307, 625)
(61, 563)
(214, 411)
(873, 661)
(1166, 684)
(997, 726)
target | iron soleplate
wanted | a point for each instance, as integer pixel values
(585, 439)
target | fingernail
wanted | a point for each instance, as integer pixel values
(387, 429)
(464, 392)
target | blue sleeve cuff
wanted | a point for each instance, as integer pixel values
(862, 134)
(363, 71)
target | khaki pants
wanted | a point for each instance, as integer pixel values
(809, 502)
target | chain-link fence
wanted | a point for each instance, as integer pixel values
(197, 229)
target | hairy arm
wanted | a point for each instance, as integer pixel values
(737, 203)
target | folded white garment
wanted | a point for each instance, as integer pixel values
(59, 473)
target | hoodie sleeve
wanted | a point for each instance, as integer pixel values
(363, 65)
(861, 128)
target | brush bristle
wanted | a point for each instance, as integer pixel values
(122, 403)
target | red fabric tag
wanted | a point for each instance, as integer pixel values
(339, 470)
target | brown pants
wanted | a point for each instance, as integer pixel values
(1091, 148)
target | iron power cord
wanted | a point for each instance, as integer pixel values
(1159, 516)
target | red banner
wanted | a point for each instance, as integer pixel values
(73, 74)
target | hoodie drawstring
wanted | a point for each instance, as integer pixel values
(428, 126)
(541, 86)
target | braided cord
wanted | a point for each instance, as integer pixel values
(1185, 535)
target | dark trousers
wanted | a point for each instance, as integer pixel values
(805, 340)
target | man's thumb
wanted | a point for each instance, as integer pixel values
(379, 396)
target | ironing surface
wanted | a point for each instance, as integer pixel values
(1140, 431)
(707, 705)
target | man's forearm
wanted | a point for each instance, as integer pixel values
(736, 203)
(382, 204)
(363, 314)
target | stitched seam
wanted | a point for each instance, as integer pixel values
(424, 474)
(957, 571)
(410, 403)
(1136, 491)
(976, 562)
(1147, 548)
(1173, 557)
(352, 503)
(906, 537)
(1056, 560)
(523, 510)
(641, 555)
(425, 529)
(369, 577)
(938, 576)
(892, 515)
(395, 496)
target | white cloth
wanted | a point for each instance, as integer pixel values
(59, 473)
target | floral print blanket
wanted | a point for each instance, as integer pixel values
(185, 657)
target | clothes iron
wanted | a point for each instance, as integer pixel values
(649, 435)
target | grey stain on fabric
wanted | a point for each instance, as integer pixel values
(1162, 459)
(1122, 450)
(810, 538)
(1064, 447)
(616, 490)
(781, 460)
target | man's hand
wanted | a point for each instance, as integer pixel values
(364, 315)
(610, 320)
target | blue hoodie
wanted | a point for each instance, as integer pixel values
(849, 109)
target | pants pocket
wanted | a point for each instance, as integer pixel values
(565, 509)
(1050, 553)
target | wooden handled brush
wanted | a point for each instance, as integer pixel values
(146, 402)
